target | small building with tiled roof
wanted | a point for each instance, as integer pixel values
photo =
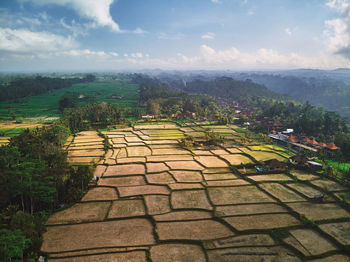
(314, 142)
(322, 145)
(306, 140)
(332, 146)
(293, 139)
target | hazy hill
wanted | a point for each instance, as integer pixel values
(329, 89)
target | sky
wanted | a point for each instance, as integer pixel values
(108, 35)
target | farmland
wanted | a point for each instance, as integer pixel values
(46, 105)
(167, 202)
(176, 191)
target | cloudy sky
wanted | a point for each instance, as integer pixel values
(48, 35)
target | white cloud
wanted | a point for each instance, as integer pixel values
(337, 31)
(80, 53)
(75, 28)
(216, 1)
(339, 5)
(139, 31)
(22, 40)
(260, 59)
(207, 58)
(96, 10)
(136, 55)
(288, 31)
(250, 12)
(208, 35)
(13, 20)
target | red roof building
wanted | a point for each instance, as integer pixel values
(322, 144)
(314, 142)
(306, 140)
(332, 146)
(293, 139)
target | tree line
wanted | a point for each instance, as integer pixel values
(304, 118)
(159, 99)
(35, 178)
(24, 87)
(96, 114)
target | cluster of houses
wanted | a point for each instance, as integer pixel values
(286, 138)
(313, 143)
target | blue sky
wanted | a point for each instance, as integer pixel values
(49, 35)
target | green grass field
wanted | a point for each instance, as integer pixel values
(47, 104)
(341, 166)
(10, 132)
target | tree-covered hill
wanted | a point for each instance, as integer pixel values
(227, 87)
(331, 93)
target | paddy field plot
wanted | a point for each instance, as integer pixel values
(85, 147)
(158, 201)
(110, 91)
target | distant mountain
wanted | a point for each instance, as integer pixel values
(327, 88)
(330, 90)
(225, 87)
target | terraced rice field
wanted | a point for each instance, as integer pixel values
(46, 105)
(4, 141)
(86, 147)
(156, 201)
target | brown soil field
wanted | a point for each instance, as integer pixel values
(156, 201)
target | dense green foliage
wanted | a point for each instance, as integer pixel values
(12, 244)
(68, 100)
(161, 100)
(34, 86)
(96, 114)
(34, 178)
(229, 88)
(304, 118)
(343, 141)
(320, 91)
